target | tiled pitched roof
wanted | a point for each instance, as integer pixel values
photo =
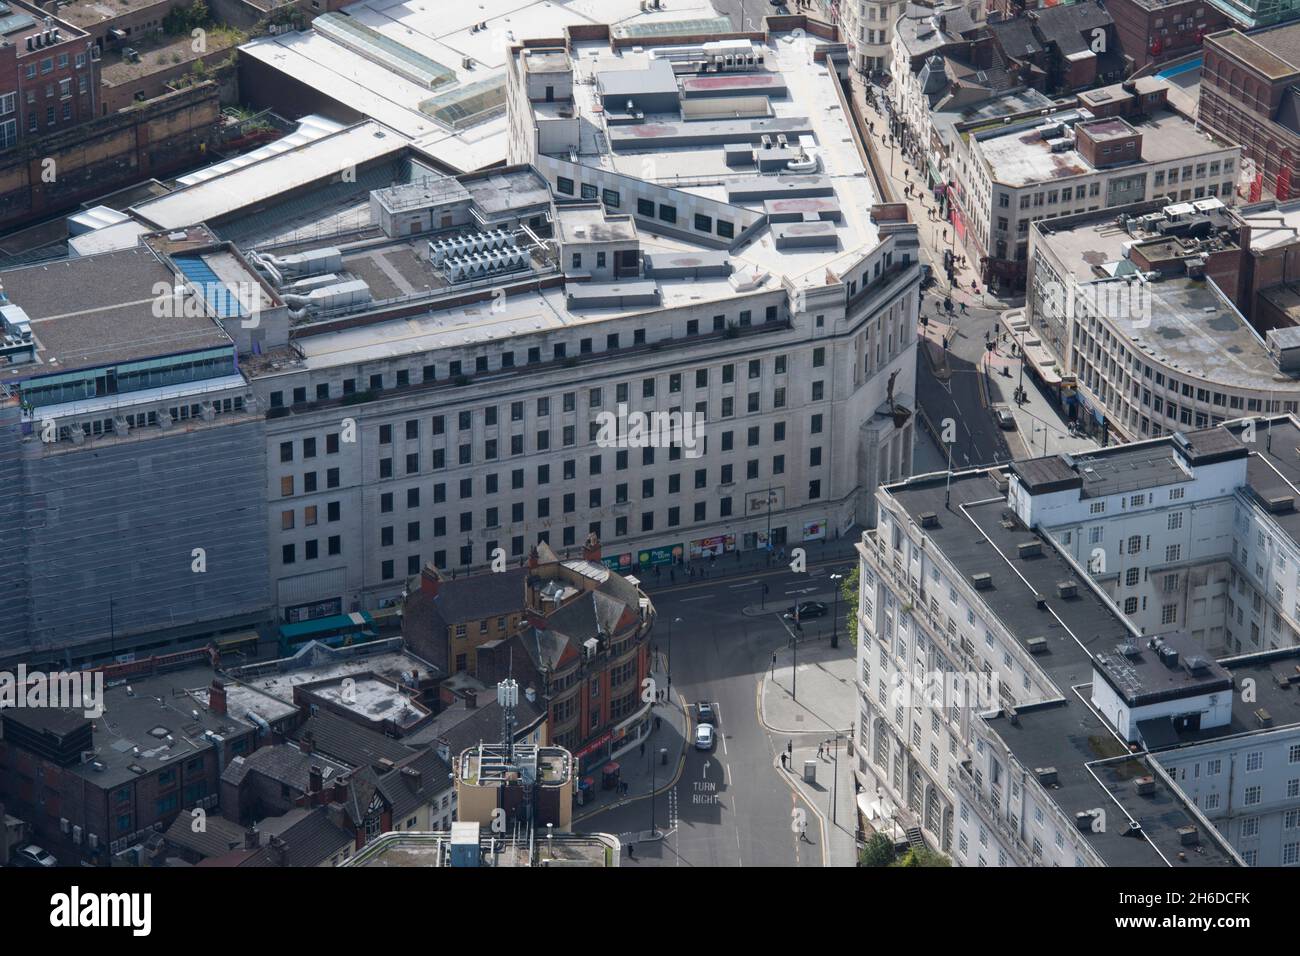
(309, 836)
(283, 764)
(218, 837)
(356, 746)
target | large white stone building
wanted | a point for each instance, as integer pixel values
(1109, 718)
(683, 230)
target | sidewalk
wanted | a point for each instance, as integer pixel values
(898, 173)
(824, 710)
(642, 766)
(826, 700)
(832, 797)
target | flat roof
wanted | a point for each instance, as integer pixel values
(1273, 52)
(978, 533)
(118, 321)
(446, 34)
(1140, 675)
(1023, 158)
(271, 176)
(314, 663)
(693, 157)
(590, 223)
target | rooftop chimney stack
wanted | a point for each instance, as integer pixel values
(217, 697)
(430, 579)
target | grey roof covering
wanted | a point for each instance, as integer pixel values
(117, 324)
(1016, 37)
(284, 764)
(1046, 474)
(401, 791)
(1066, 734)
(1141, 678)
(310, 838)
(462, 726)
(351, 743)
(932, 77)
(481, 595)
(218, 837)
(1067, 24)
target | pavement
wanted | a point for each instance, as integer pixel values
(813, 708)
(894, 173)
(655, 765)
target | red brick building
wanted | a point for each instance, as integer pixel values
(1156, 31)
(49, 75)
(1250, 95)
(583, 645)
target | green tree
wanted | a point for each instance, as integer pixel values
(878, 851)
(922, 857)
(849, 594)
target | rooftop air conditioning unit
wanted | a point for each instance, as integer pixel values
(1029, 549)
(467, 62)
(1066, 589)
(1036, 645)
(982, 581)
(1146, 786)
(1046, 775)
(929, 520)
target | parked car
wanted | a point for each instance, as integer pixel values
(704, 737)
(1004, 416)
(33, 856)
(704, 712)
(805, 611)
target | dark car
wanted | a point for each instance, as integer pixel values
(805, 611)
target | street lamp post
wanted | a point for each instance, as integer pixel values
(794, 662)
(669, 663)
(1021, 388)
(835, 614)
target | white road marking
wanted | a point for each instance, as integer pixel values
(702, 597)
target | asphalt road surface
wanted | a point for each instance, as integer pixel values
(731, 806)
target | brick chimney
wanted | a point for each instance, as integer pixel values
(471, 700)
(591, 549)
(414, 777)
(252, 839)
(279, 851)
(340, 790)
(217, 697)
(308, 743)
(315, 779)
(533, 560)
(430, 579)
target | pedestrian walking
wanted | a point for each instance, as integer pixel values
(643, 748)
(819, 751)
(631, 851)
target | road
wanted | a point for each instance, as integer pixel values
(960, 399)
(730, 806)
